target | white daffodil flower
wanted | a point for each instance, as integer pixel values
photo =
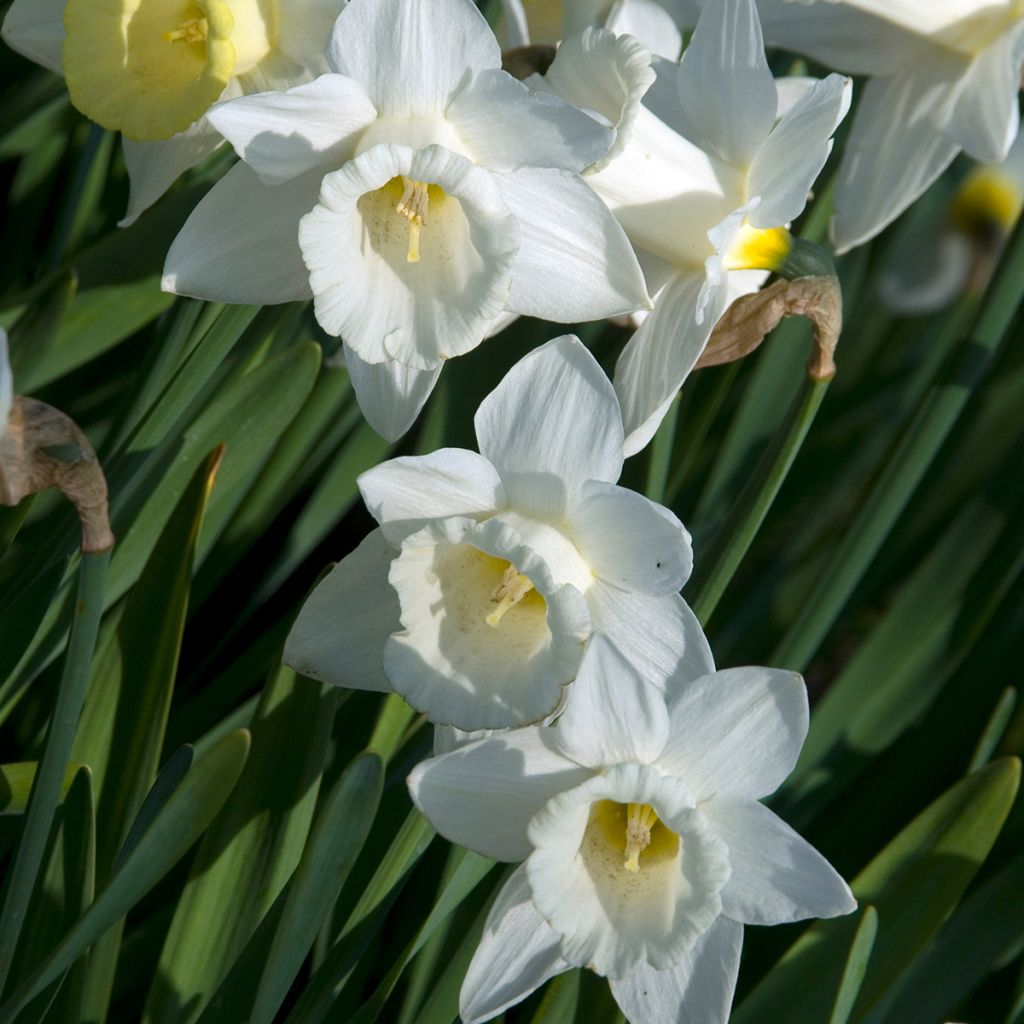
(957, 250)
(477, 596)
(945, 76)
(418, 192)
(654, 22)
(707, 172)
(150, 69)
(6, 384)
(646, 848)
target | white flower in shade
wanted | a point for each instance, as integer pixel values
(654, 22)
(418, 192)
(706, 174)
(945, 76)
(6, 384)
(476, 597)
(150, 69)
(646, 848)
(936, 259)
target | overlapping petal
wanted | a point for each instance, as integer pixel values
(35, 29)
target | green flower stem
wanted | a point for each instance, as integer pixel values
(913, 455)
(661, 453)
(46, 790)
(740, 527)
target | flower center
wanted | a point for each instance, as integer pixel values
(514, 586)
(629, 831)
(192, 31)
(414, 206)
(758, 249)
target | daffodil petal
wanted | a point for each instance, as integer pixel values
(650, 23)
(35, 29)
(240, 244)
(518, 952)
(412, 56)
(518, 771)
(281, 135)
(777, 876)
(737, 732)
(554, 416)
(699, 988)
(340, 633)
(403, 494)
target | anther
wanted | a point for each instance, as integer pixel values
(413, 206)
(514, 586)
(640, 819)
(192, 31)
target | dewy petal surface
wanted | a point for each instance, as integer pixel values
(505, 126)
(403, 494)
(725, 85)
(630, 541)
(281, 135)
(614, 714)
(777, 876)
(698, 990)
(366, 285)
(452, 660)
(554, 418)
(412, 56)
(575, 262)
(518, 952)
(484, 794)
(735, 733)
(340, 633)
(389, 394)
(240, 244)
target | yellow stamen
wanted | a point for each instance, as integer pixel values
(513, 588)
(413, 205)
(640, 819)
(192, 31)
(758, 249)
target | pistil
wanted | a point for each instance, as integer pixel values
(640, 819)
(192, 31)
(513, 588)
(413, 206)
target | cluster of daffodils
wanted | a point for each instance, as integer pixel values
(393, 172)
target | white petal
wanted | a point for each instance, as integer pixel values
(241, 243)
(610, 918)
(35, 29)
(553, 418)
(659, 357)
(986, 114)
(613, 713)
(402, 494)
(304, 33)
(390, 395)
(449, 662)
(650, 23)
(659, 634)
(698, 990)
(484, 794)
(785, 167)
(153, 167)
(894, 152)
(630, 541)
(506, 127)
(340, 633)
(355, 244)
(575, 262)
(777, 876)
(447, 738)
(283, 134)
(518, 952)
(737, 732)
(725, 85)
(6, 383)
(608, 75)
(514, 27)
(412, 56)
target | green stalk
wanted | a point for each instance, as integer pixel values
(740, 527)
(913, 455)
(46, 789)
(661, 453)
